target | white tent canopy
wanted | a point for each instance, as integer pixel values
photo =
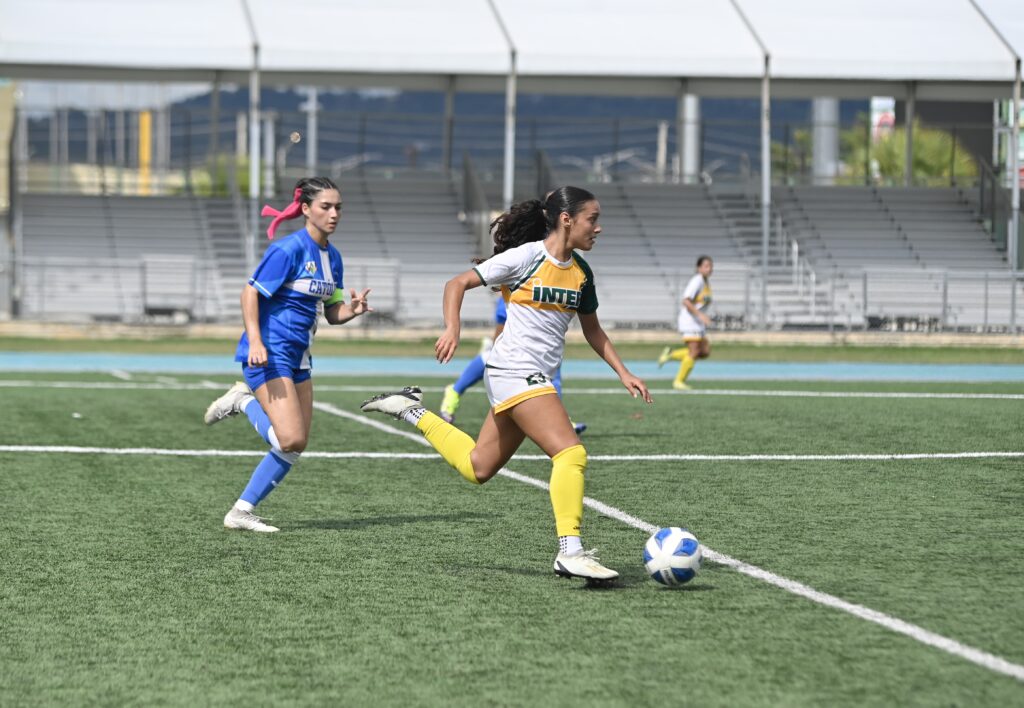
(642, 46)
(917, 49)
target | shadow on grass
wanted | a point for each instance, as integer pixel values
(626, 581)
(343, 524)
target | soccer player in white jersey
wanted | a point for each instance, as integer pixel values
(299, 276)
(545, 283)
(693, 324)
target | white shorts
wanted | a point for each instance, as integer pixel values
(508, 387)
(690, 327)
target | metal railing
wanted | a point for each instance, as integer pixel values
(475, 206)
(175, 289)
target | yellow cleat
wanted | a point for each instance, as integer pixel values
(665, 355)
(450, 404)
(680, 386)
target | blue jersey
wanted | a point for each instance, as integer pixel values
(295, 276)
(500, 313)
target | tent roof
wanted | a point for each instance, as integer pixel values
(644, 47)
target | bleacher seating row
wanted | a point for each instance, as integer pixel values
(404, 237)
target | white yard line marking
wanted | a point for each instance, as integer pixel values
(207, 384)
(921, 634)
(976, 656)
(119, 374)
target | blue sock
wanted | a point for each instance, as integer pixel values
(473, 372)
(260, 421)
(557, 381)
(267, 475)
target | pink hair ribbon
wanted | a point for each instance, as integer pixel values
(289, 212)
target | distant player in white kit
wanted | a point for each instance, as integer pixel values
(693, 324)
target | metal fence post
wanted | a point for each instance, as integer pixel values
(945, 299)
(746, 301)
(832, 301)
(864, 298)
(984, 325)
(1013, 301)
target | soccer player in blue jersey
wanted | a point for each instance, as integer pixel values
(299, 276)
(474, 373)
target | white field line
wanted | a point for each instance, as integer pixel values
(356, 454)
(976, 656)
(119, 374)
(211, 385)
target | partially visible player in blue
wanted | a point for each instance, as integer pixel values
(300, 276)
(474, 373)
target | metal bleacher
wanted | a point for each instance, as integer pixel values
(874, 255)
(123, 258)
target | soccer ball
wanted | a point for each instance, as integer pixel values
(672, 556)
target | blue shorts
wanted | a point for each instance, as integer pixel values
(256, 376)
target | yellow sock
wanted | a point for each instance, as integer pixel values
(453, 444)
(679, 354)
(685, 366)
(567, 489)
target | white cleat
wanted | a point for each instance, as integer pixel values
(229, 404)
(583, 564)
(247, 521)
(394, 404)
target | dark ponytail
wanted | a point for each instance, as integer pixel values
(534, 219)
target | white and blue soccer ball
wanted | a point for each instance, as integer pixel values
(672, 556)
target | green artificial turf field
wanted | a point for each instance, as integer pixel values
(395, 583)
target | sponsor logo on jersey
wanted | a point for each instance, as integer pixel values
(321, 287)
(557, 296)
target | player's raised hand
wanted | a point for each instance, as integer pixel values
(359, 303)
(447, 343)
(636, 387)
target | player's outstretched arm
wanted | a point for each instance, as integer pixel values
(342, 312)
(600, 343)
(454, 291)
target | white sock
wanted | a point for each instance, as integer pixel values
(243, 505)
(413, 415)
(569, 545)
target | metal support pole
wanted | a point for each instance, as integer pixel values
(661, 150)
(832, 301)
(984, 325)
(766, 184)
(952, 160)
(864, 298)
(945, 299)
(508, 187)
(1013, 240)
(692, 137)
(448, 129)
(312, 124)
(214, 146)
(867, 152)
(508, 184)
(254, 160)
(908, 148)
(269, 166)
